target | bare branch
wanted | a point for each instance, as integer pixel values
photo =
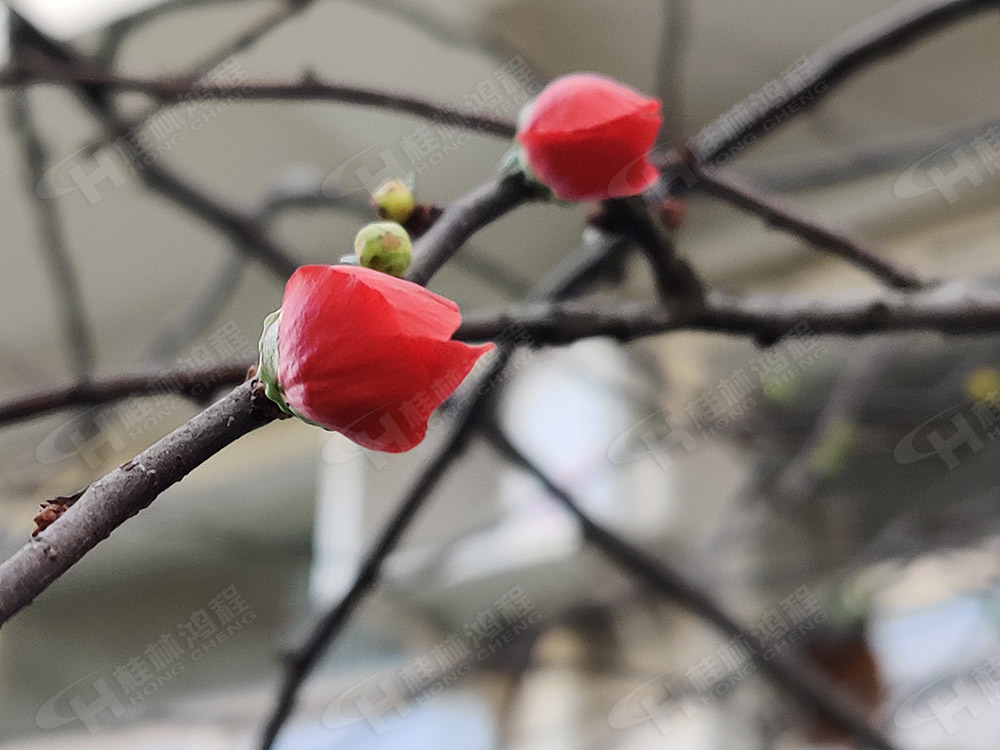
(800, 477)
(243, 41)
(463, 218)
(801, 679)
(951, 308)
(115, 498)
(677, 284)
(308, 89)
(825, 69)
(713, 182)
(858, 162)
(194, 384)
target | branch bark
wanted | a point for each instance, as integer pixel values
(308, 89)
(950, 308)
(195, 384)
(115, 498)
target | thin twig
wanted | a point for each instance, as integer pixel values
(308, 89)
(799, 478)
(463, 218)
(947, 309)
(243, 41)
(194, 384)
(870, 158)
(773, 212)
(818, 74)
(801, 679)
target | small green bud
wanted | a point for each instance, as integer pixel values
(384, 246)
(394, 201)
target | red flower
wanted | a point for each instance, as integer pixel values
(586, 137)
(365, 354)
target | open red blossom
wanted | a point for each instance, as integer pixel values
(368, 355)
(587, 138)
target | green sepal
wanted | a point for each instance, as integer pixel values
(267, 366)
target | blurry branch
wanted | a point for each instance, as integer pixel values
(67, 288)
(243, 41)
(118, 496)
(949, 308)
(193, 384)
(801, 679)
(678, 286)
(182, 329)
(819, 73)
(729, 189)
(303, 660)
(676, 17)
(308, 89)
(858, 162)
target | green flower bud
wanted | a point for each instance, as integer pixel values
(384, 246)
(394, 201)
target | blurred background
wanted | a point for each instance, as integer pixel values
(837, 495)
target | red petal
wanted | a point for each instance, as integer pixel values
(580, 101)
(365, 353)
(608, 161)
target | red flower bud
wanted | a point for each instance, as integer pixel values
(587, 137)
(365, 354)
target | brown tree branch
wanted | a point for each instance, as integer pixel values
(308, 89)
(194, 384)
(949, 308)
(774, 213)
(678, 286)
(463, 218)
(244, 40)
(115, 498)
(801, 679)
(832, 64)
